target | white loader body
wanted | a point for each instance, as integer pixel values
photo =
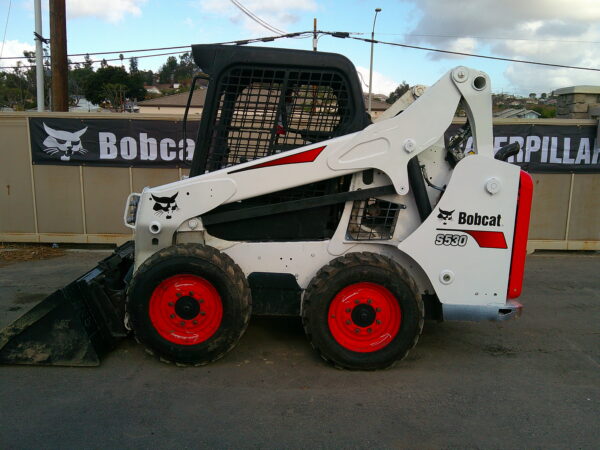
(454, 260)
(361, 233)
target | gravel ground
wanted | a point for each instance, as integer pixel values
(529, 383)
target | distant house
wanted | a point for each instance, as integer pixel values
(84, 105)
(174, 104)
(521, 113)
(377, 106)
(166, 87)
(152, 90)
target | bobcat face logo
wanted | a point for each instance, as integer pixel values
(445, 215)
(166, 205)
(63, 143)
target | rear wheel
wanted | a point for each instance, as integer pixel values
(362, 311)
(189, 304)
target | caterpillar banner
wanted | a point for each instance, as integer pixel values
(160, 143)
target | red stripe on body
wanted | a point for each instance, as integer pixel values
(302, 157)
(485, 239)
(519, 250)
(488, 239)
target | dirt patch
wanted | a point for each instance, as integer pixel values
(499, 350)
(13, 253)
(24, 299)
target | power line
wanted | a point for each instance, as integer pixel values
(263, 39)
(256, 19)
(5, 28)
(505, 38)
(350, 32)
(110, 53)
(455, 36)
(309, 33)
(239, 42)
(73, 63)
(474, 55)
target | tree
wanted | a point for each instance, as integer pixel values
(133, 65)
(95, 85)
(186, 68)
(87, 61)
(18, 88)
(78, 79)
(11, 90)
(147, 76)
(166, 73)
(532, 95)
(114, 93)
(544, 95)
(546, 112)
(30, 56)
(398, 92)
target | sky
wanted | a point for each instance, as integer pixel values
(563, 32)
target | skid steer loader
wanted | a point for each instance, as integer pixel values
(298, 205)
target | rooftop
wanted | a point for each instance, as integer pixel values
(177, 100)
(515, 113)
(581, 89)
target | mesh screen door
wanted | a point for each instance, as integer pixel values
(265, 111)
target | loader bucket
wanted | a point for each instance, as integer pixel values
(77, 324)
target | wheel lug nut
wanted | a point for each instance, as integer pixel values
(356, 301)
(182, 323)
(348, 310)
(200, 300)
(369, 330)
(356, 330)
(172, 316)
(171, 303)
(333, 316)
(378, 322)
(347, 322)
(202, 313)
(195, 322)
(192, 293)
(369, 301)
(378, 309)
(178, 294)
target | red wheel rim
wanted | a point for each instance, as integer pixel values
(186, 309)
(364, 317)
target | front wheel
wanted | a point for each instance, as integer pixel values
(189, 304)
(363, 311)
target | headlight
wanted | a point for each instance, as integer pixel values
(131, 210)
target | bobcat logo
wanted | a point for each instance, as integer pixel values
(445, 215)
(63, 143)
(165, 205)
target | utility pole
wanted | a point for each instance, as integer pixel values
(315, 34)
(39, 57)
(58, 51)
(377, 11)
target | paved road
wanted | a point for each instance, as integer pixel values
(529, 383)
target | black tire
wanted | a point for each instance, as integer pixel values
(321, 320)
(168, 269)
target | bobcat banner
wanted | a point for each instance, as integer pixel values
(111, 142)
(159, 143)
